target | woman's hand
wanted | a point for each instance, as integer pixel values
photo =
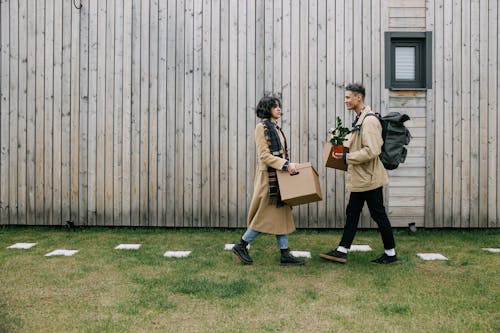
(292, 168)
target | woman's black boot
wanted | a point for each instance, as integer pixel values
(288, 259)
(240, 249)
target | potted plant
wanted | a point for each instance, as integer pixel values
(338, 136)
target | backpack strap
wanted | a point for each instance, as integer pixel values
(358, 127)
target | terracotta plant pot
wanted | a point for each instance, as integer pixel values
(338, 149)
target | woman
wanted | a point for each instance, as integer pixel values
(267, 212)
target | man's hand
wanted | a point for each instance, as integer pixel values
(337, 156)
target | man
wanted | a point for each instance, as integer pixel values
(366, 177)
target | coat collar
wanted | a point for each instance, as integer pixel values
(363, 114)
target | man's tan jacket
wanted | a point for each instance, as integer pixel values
(365, 171)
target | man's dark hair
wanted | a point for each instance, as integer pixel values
(357, 88)
(265, 105)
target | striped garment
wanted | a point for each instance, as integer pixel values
(273, 140)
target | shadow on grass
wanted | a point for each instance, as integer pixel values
(148, 294)
(207, 288)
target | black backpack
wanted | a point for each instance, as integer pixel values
(396, 136)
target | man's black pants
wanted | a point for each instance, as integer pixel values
(375, 201)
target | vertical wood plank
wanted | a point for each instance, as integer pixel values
(260, 55)
(447, 113)
(498, 118)
(13, 111)
(109, 115)
(295, 89)
(57, 92)
(4, 112)
(312, 102)
(214, 119)
(304, 97)
(76, 39)
(358, 11)
(205, 206)
(456, 204)
(241, 132)
(39, 114)
(100, 114)
(22, 199)
(144, 113)
(483, 114)
(127, 115)
(153, 177)
(171, 113)
(162, 113)
(349, 31)
(267, 20)
(179, 109)
(224, 114)
(375, 55)
(94, 129)
(474, 116)
(118, 111)
(250, 102)
(135, 138)
(339, 109)
(275, 40)
(285, 69)
(48, 111)
(322, 119)
(66, 112)
(439, 114)
(366, 56)
(330, 187)
(232, 116)
(84, 116)
(430, 121)
(492, 114)
(197, 114)
(188, 114)
(465, 112)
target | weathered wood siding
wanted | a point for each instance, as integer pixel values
(142, 112)
(406, 189)
(464, 184)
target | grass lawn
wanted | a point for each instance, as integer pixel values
(101, 289)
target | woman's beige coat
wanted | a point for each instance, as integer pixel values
(365, 171)
(263, 216)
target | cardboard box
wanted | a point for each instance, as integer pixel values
(301, 188)
(331, 162)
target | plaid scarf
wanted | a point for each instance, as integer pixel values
(276, 149)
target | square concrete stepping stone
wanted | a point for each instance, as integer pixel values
(177, 254)
(62, 252)
(22, 246)
(431, 256)
(128, 247)
(304, 254)
(229, 247)
(492, 249)
(360, 248)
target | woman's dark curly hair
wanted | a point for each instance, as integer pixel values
(265, 105)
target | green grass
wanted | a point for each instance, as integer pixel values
(105, 290)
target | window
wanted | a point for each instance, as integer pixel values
(408, 60)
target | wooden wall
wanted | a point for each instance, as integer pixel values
(407, 184)
(142, 112)
(464, 122)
